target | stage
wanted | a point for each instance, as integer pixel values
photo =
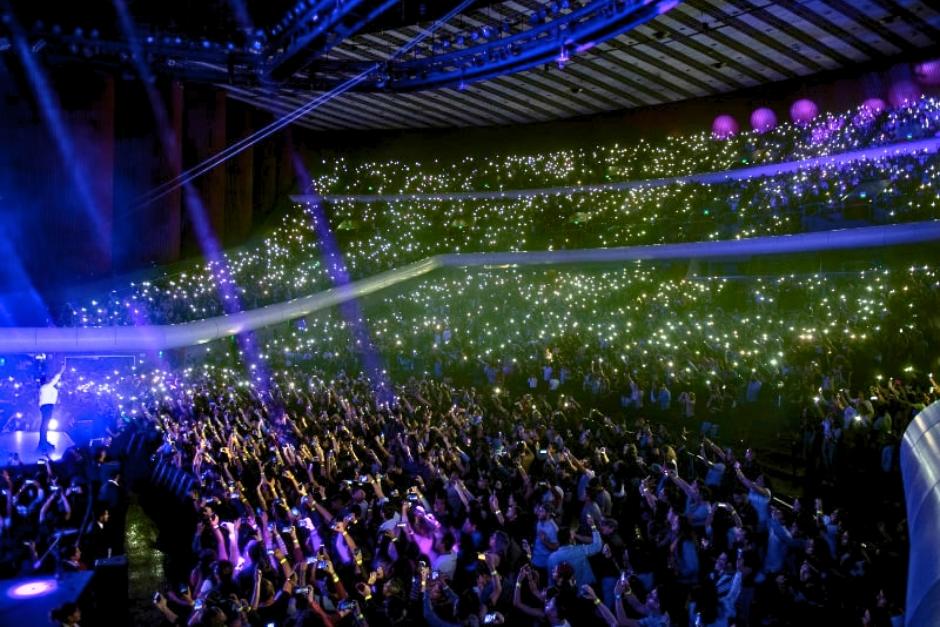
(24, 444)
(28, 601)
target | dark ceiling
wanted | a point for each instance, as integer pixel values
(220, 20)
(698, 48)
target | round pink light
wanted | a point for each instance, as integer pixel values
(30, 589)
(803, 111)
(724, 126)
(902, 93)
(874, 106)
(763, 119)
(928, 72)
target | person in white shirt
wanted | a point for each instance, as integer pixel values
(48, 397)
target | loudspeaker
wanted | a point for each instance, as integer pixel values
(110, 590)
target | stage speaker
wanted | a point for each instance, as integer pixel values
(110, 590)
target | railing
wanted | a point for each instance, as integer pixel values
(163, 337)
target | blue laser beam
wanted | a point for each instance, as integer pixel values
(240, 146)
(49, 106)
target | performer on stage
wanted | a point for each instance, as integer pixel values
(48, 397)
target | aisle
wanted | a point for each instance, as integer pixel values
(145, 566)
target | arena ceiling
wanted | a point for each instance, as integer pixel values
(696, 48)
(699, 48)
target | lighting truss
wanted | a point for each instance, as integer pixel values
(549, 39)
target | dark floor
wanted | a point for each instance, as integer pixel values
(145, 566)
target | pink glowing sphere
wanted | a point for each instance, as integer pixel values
(803, 111)
(874, 106)
(903, 92)
(928, 72)
(763, 119)
(724, 126)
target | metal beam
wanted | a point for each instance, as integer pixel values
(317, 31)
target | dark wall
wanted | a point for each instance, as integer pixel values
(80, 151)
(832, 91)
(56, 192)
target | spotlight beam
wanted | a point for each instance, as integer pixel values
(240, 146)
(49, 107)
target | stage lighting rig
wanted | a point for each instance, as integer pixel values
(552, 34)
(312, 28)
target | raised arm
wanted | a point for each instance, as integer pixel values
(750, 485)
(596, 543)
(715, 448)
(599, 606)
(58, 376)
(535, 612)
(679, 481)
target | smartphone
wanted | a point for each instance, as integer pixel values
(346, 605)
(294, 511)
(435, 574)
(302, 590)
(198, 605)
(310, 560)
(286, 529)
(322, 563)
(156, 597)
(489, 619)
